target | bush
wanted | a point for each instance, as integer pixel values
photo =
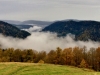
(41, 61)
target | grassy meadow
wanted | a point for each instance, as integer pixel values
(16, 68)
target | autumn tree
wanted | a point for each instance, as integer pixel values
(91, 58)
(58, 55)
(83, 64)
(51, 57)
(97, 59)
(40, 56)
(16, 55)
(77, 55)
(68, 56)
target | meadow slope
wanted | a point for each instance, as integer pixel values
(42, 69)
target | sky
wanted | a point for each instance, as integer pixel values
(49, 10)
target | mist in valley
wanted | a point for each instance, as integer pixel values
(44, 41)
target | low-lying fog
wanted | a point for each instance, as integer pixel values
(44, 41)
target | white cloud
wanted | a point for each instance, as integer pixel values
(44, 41)
(33, 29)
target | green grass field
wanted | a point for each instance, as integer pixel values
(42, 69)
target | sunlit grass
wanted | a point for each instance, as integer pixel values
(42, 69)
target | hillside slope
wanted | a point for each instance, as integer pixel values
(10, 30)
(42, 69)
(83, 30)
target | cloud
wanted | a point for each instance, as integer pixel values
(44, 41)
(83, 2)
(33, 29)
(49, 9)
(61, 2)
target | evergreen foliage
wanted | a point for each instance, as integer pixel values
(10, 30)
(83, 30)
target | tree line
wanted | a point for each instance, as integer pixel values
(79, 57)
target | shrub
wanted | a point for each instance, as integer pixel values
(41, 61)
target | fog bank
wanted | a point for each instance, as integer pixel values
(44, 41)
(33, 29)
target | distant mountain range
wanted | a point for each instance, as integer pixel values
(10, 30)
(14, 22)
(36, 22)
(83, 30)
(27, 24)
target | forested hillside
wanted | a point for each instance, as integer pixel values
(83, 30)
(10, 30)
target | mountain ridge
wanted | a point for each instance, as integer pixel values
(10, 30)
(83, 30)
(28, 23)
